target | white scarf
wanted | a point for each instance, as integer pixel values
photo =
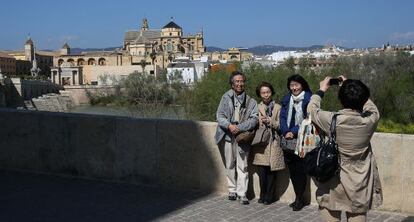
(296, 101)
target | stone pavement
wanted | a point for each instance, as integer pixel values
(40, 197)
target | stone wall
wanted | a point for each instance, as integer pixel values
(177, 154)
(81, 94)
(2, 94)
(15, 91)
(52, 102)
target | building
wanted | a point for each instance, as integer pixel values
(24, 59)
(67, 74)
(145, 51)
(188, 71)
(162, 46)
(7, 64)
(232, 55)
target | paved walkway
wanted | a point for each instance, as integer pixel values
(36, 197)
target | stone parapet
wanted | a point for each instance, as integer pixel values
(170, 153)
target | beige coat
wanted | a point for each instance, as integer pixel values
(270, 155)
(357, 188)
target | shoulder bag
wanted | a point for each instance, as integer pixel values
(323, 161)
(308, 137)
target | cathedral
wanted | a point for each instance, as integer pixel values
(162, 45)
(144, 50)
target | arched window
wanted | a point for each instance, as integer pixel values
(102, 62)
(81, 62)
(91, 61)
(60, 61)
(71, 61)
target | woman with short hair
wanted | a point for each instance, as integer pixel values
(357, 187)
(268, 158)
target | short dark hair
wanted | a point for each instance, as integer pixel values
(353, 94)
(235, 73)
(298, 78)
(264, 84)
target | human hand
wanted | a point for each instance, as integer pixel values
(342, 78)
(234, 129)
(324, 84)
(289, 135)
(265, 119)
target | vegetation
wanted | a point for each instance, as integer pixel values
(142, 94)
(29, 77)
(390, 78)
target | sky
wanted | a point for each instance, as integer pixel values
(225, 23)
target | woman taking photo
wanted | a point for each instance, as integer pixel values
(293, 111)
(268, 158)
(357, 187)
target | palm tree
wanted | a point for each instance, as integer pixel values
(143, 63)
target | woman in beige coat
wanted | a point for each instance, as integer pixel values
(268, 158)
(357, 187)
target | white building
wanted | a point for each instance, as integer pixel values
(190, 71)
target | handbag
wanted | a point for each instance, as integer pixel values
(308, 137)
(288, 145)
(262, 136)
(323, 161)
(245, 137)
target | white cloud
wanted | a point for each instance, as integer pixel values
(405, 36)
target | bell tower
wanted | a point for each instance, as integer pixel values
(29, 49)
(144, 26)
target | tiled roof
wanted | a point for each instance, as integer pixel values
(5, 55)
(29, 41)
(172, 25)
(149, 34)
(141, 40)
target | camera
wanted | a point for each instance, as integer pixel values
(335, 81)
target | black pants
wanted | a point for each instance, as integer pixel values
(267, 179)
(297, 172)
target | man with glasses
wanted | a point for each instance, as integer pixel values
(236, 113)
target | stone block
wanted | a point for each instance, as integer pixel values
(210, 161)
(179, 145)
(18, 136)
(94, 145)
(388, 153)
(407, 168)
(136, 157)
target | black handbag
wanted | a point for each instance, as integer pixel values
(323, 161)
(288, 145)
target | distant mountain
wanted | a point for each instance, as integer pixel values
(269, 49)
(214, 49)
(257, 50)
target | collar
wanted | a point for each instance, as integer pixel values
(350, 112)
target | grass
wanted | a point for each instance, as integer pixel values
(389, 126)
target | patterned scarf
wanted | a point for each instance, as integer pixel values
(296, 102)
